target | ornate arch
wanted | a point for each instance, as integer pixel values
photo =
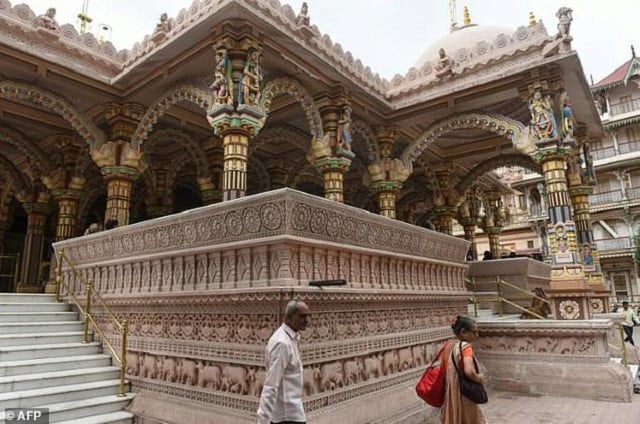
(13, 90)
(257, 167)
(291, 134)
(495, 163)
(7, 191)
(20, 183)
(193, 149)
(181, 93)
(370, 140)
(31, 152)
(290, 86)
(497, 124)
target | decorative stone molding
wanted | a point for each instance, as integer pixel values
(538, 356)
(20, 27)
(468, 58)
(31, 151)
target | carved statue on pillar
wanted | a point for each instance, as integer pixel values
(249, 89)
(222, 85)
(343, 131)
(162, 29)
(564, 15)
(543, 120)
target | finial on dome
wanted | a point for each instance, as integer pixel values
(633, 52)
(466, 19)
(532, 19)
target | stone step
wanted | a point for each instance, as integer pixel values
(57, 378)
(39, 327)
(25, 317)
(44, 365)
(34, 339)
(120, 417)
(34, 307)
(36, 397)
(17, 353)
(27, 298)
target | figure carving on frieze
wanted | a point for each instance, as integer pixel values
(47, 20)
(303, 17)
(251, 81)
(163, 25)
(588, 173)
(543, 121)
(222, 85)
(444, 67)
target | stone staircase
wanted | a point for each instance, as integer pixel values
(44, 364)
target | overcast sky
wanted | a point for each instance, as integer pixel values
(390, 35)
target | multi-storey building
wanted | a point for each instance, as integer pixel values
(615, 203)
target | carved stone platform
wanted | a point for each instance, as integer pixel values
(203, 290)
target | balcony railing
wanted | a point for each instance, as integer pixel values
(628, 147)
(625, 107)
(606, 197)
(607, 152)
(633, 193)
(537, 210)
(614, 244)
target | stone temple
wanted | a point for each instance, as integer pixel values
(244, 155)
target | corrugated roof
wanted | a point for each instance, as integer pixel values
(615, 78)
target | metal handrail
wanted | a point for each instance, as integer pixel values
(502, 300)
(88, 316)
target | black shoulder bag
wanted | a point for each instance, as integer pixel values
(473, 391)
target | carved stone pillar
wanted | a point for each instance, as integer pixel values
(68, 201)
(333, 170)
(444, 219)
(386, 176)
(33, 246)
(468, 217)
(569, 290)
(331, 154)
(120, 162)
(238, 81)
(210, 194)
(120, 181)
(581, 185)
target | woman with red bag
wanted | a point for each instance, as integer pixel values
(457, 409)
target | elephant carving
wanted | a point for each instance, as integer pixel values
(234, 380)
(332, 376)
(390, 362)
(208, 376)
(133, 362)
(352, 371)
(149, 368)
(255, 378)
(169, 369)
(405, 359)
(371, 368)
(311, 377)
(188, 371)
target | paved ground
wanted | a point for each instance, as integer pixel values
(510, 408)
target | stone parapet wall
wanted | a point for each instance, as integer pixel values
(562, 358)
(202, 292)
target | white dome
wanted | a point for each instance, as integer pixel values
(465, 37)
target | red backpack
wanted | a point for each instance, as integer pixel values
(431, 386)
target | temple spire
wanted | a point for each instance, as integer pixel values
(466, 19)
(532, 19)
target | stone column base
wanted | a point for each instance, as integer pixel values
(28, 288)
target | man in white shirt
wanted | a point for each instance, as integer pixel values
(281, 399)
(630, 319)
